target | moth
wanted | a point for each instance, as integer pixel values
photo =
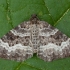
(34, 36)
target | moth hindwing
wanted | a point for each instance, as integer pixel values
(34, 36)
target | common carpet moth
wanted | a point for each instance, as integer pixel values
(34, 36)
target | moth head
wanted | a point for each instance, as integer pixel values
(34, 18)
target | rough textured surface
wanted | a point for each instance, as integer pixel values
(34, 36)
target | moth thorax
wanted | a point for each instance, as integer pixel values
(35, 36)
